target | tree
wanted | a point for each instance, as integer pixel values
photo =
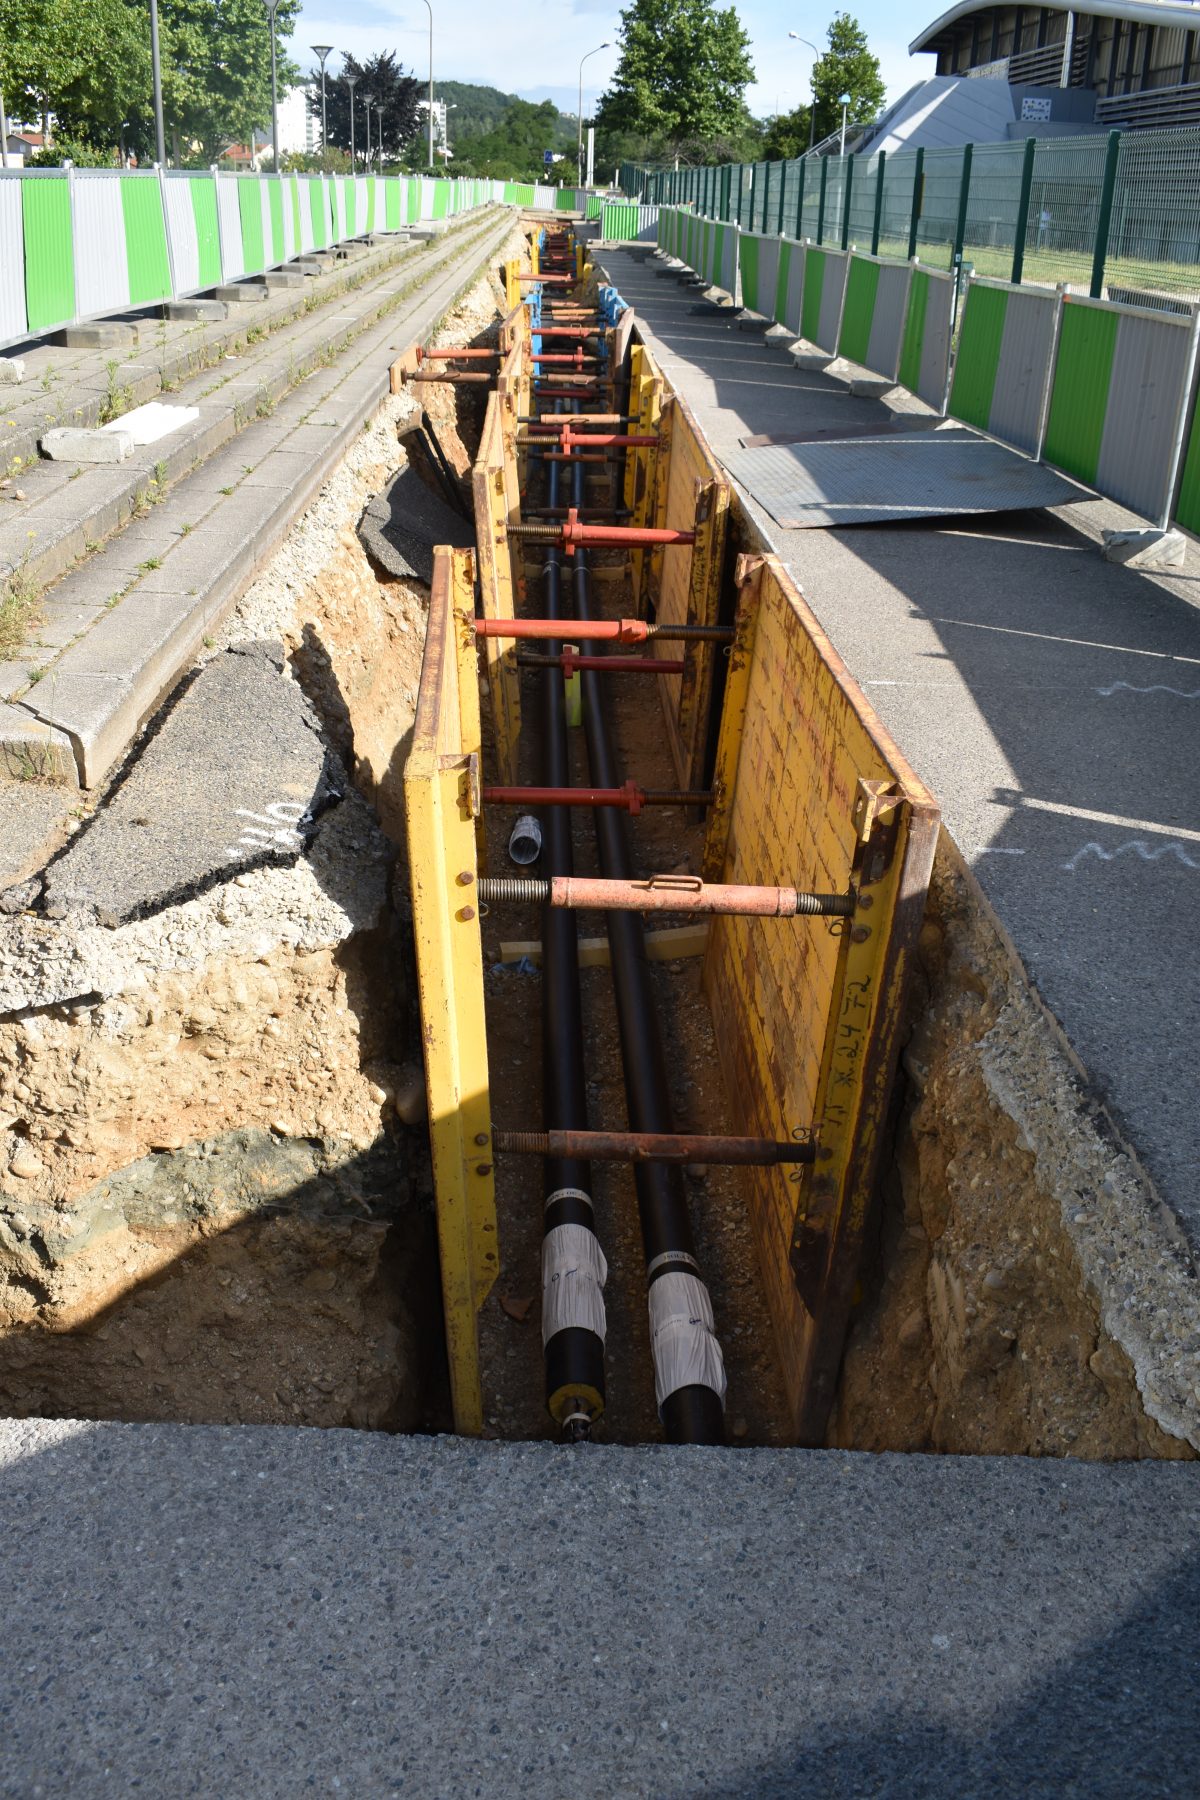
(515, 150)
(682, 77)
(394, 91)
(786, 135)
(85, 61)
(216, 67)
(847, 67)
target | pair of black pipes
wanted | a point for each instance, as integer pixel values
(692, 1414)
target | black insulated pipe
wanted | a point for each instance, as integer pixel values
(693, 1414)
(574, 1355)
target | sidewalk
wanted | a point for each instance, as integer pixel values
(1048, 698)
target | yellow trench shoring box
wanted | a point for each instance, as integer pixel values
(441, 804)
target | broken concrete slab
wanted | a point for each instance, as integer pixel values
(12, 371)
(1151, 548)
(403, 523)
(234, 776)
(35, 818)
(77, 444)
(152, 422)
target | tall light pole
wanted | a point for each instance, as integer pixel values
(379, 131)
(271, 6)
(579, 137)
(368, 100)
(812, 109)
(351, 82)
(429, 9)
(160, 136)
(322, 50)
(844, 103)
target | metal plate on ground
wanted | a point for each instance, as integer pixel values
(900, 475)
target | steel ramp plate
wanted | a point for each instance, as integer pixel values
(898, 475)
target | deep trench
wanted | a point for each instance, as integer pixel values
(259, 1245)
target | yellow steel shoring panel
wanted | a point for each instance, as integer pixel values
(811, 791)
(441, 802)
(645, 408)
(494, 486)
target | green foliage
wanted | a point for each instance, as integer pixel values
(87, 61)
(847, 67)
(515, 150)
(394, 89)
(787, 134)
(681, 79)
(73, 150)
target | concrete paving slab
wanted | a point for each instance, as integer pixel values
(31, 750)
(256, 805)
(74, 445)
(270, 1611)
(1064, 754)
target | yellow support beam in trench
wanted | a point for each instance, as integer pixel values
(441, 803)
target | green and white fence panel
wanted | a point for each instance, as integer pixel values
(723, 270)
(873, 313)
(595, 205)
(14, 320)
(120, 241)
(624, 221)
(824, 291)
(1122, 384)
(190, 205)
(928, 330)
(758, 271)
(229, 224)
(789, 283)
(1005, 356)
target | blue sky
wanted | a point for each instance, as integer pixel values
(492, 44)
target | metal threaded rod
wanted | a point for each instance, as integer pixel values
(664, 893)
(653, 1146)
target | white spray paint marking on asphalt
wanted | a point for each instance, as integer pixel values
(1145, 852)
(274, 829)
(1158, 688)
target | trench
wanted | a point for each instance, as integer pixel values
(216, 1199)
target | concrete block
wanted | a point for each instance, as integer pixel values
(308, 265)
(778, 337)
(1145, 549)
(809, 357)
(240, 293)
(33, 751)
(870, 387)
(98, 334)
(275, 279)
(753, 322)
(12, 371)
(69, 443)
(196, 311)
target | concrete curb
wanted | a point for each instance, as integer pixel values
(107, 684)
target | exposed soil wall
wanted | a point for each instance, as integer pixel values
(1029, 1293)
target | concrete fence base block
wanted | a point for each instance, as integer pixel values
(808, 356)
(778, 337)
(12, 371)
(752, 321)
(870, 387)
(308, 265)
(196, 311)
(69, 443)
(98, 334)
(281, 278)
(1145, 549)
(240, 293)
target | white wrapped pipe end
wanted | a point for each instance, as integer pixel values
(573, 1276)
(683, 1337)
(525, 841)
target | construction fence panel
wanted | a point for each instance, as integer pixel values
(928, 333)
(896, 206)
(824, 291)
(758, 269)
(789, 286)
(1005, 356)
(873, 313)
(13, 317)
(1064, 211)
(723, 270)
(1122, 385)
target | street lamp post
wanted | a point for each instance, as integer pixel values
(812, 110)
(429, 9)
(379, 131)
(271, 6)
(351, 82)
(845, 101)
(579, 140)
(323, 50)
(160, 136)
(368, 102)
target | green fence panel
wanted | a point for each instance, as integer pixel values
(441, 199)
(49, 253)
(412, 202)
(294, 203)
(1079, 399)
(1187, 507)
(858, 311)
(914, 332)
(145, 240)
(250, 213)
(350, 205)
(275, 199)
(595, 205)
(978, 358)
(748, 266)
(316, 212)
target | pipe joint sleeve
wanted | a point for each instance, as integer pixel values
(573, 1275)
(683, 1337)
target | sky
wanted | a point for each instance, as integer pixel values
(536, 52)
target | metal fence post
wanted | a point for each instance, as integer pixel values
(964, 193)
(918, 202)
(766, 194)
(1104, 221)
(1022, 227)
(753, 192)
(783, 169)
(878, 204)
(802, 172)
(850, 162)
(821, 201)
